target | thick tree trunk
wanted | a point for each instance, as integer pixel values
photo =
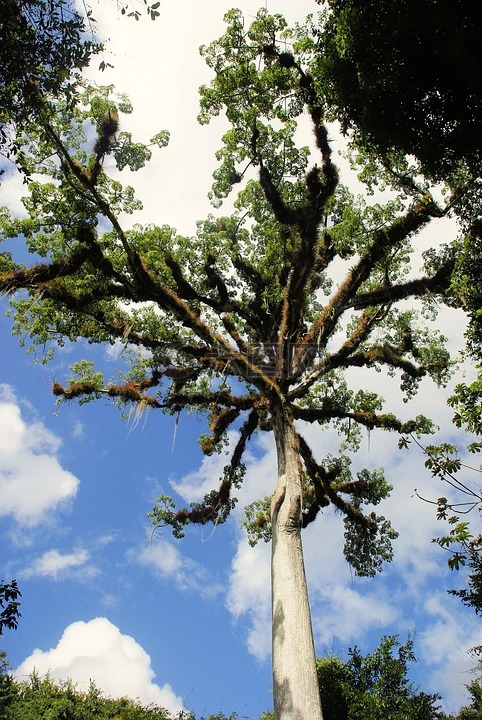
(295, 684)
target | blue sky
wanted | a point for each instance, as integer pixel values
(187, 623)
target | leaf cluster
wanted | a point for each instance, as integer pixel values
(463, 545)
(9, 605)
(152, 9)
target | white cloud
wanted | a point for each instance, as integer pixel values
(249, 595)
(133, 49)
(77, 429)
(105, 540)
(348, 614)
(57, 566)
(167, 563)
(98, 651)
(163, 557)
(32, 481)
(445, 644)
(13, 190)
(260, 480)
(193, 486)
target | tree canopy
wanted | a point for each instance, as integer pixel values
(405, 75)
(375, 686)
(241, 298)
(39, 697)
(402, 79)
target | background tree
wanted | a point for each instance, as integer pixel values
(474, 710)
(44, 47)
(9, 617)
(44, 698)
(8, 694)
(374, 686)
(404, 75)
(401, 77)
(249, 322)
(463, 542)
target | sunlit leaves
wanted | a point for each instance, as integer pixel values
(467, 402)
(259, 96)
(375, 686)
(43, 697)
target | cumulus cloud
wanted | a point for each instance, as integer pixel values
(249, 595)
(58, 566)
(193, 486)
(97, 651)
(77, 429)
(445, 646)
(168, 563)
(32, 481)
(13, 190)
(348, 614)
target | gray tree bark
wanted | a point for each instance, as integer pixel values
(295, 683)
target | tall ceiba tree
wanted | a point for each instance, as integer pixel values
(255, 321)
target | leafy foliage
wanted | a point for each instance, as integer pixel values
(474, 710)
(402, 74)
(9, 605)
(43, 698)
(371, 687)
(374, 687)
(444, 461)
(44, 47)
(402, 80)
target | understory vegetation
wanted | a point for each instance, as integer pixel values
(361, 687)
